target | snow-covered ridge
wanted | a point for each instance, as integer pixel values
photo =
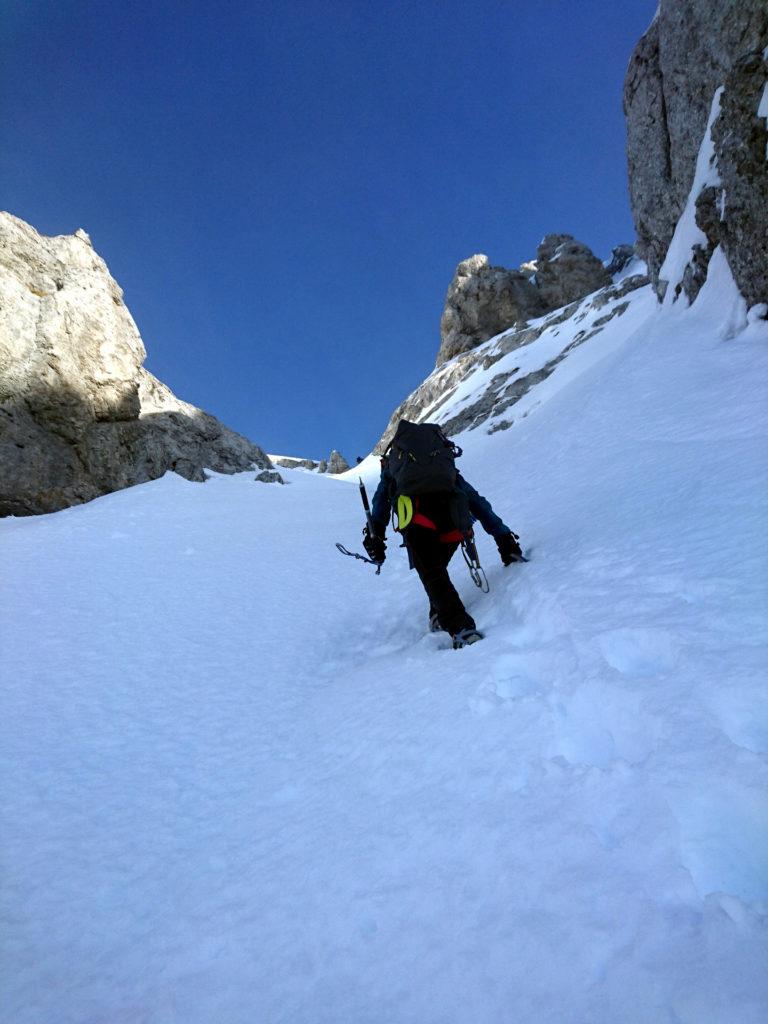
(482, 386)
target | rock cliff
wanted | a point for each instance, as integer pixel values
(567, 270)
(79, 415)
(483, 300)
(472, 390)
(692, 49)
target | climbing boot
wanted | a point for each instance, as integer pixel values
(465, 637)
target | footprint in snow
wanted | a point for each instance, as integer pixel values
(639, 652)
(513, 678)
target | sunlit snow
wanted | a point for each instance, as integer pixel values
(243, 783)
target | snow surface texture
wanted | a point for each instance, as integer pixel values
(614, 317)
(243, 783)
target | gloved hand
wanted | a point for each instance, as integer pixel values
(375, 546)
(509, 549)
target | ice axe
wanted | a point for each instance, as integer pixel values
(369, 528)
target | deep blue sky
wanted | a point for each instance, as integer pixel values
(283, 190)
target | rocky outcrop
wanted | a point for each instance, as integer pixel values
(483, 301)
(79, 416)
(692, 48)
(289, 462)
(189, 440)
(337, 463)
(567, 270)
(621, 257)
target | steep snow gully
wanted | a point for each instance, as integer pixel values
(244, 784)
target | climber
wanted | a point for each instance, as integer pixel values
(435, 510)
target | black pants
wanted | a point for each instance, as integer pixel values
(430, 558)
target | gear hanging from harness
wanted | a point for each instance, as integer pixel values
(422, 463)
(406, 513)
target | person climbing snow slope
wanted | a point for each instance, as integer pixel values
(435, 509)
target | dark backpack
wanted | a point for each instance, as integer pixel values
(421, 460)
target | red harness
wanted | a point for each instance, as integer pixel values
(450, 537)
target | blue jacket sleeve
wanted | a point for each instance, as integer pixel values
(381, 505)
(481, 509)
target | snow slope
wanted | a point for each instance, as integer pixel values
(243, 783)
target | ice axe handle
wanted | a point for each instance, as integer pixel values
(367, 507)
(368, 518)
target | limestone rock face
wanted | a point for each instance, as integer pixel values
(189, 440)
(79, 416)
(337, 463)
(740, 136)
(692, 48)
(64, 331)
(567, 270)
(483, 301)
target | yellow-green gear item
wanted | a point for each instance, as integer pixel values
(404, 511)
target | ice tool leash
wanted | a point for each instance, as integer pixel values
(362, 558)
(369, 529)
